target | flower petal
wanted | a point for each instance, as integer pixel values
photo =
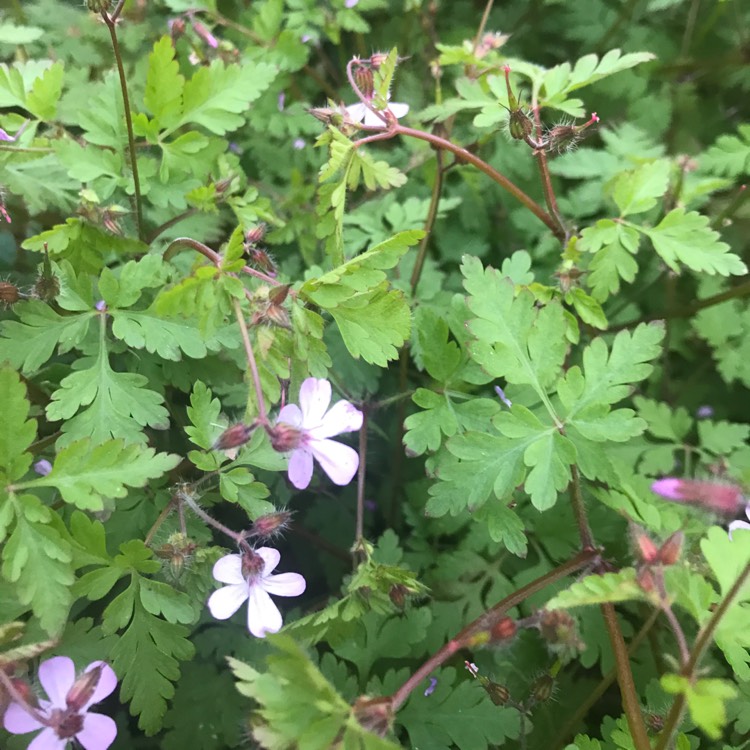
(399, 109)
(291, 414)
(18, 721)
(228, 569)
(738, 525)
(106, 685)
(270, 557)
(300, 468)
(284, 584)
(356, 112)
(47, 740)
(224, 602)
(57, 676)
(372, 120)
(341, 417)
(263, 615)
(98, 732)
(314, 397)
(339, 461)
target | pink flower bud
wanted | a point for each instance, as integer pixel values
(284, 437)
(234, 436)
(726, 499)
(83, 688)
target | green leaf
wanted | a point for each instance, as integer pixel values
(29, 342)
(614, 246)
(37, 561)
(86, 473)
(17, 431)
(637, 191)
(515, 340)
(374, 324)
(706, 700)
(119, 404)
(147, 657)
(730, 155)
(164, 84)
(721, 438)
(458, 713)
(290, 676)
(597, 589)
(687, 238)
(35, 85)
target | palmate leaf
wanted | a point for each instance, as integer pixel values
(706, 699)
(34, 85)
(87, 473)
(597, 589)
(730, 155)
(286, 717)
(17, 431)
(459, 713)
(614, 246)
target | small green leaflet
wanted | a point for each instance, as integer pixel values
(597, 589)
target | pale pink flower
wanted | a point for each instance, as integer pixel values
(66, 713)
(249, 579)
(360, 113)
(312, 423)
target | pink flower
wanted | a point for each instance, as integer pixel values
(740, 524)
(717, 497)
(249, 578)
(312, 424)
(66, 713)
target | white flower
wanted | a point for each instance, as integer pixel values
(740, 524)
(360, 113)
(315, 426)
(249, 578)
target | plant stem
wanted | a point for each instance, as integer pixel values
(603, 685)
(482, 24)
(262, 414)
(429, 223)
(170, 223)
(702, 642)
(111, 22)
(625, 679)
(10, 688)
(579, 510)
(487, 619)
(116, 12)
(156, 525)
(184, 497)
(361, 473)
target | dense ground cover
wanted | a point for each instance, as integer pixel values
(418, 327)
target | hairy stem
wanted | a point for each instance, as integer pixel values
(361, 473)
(170, 223)
(487, 619)
(625, 680)
(111, 23)
(184, 497)
(10, 688)
(579, 510)
(262, 414)
(429, 224)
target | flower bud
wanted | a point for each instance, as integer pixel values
(542, 689)
(374, 714)
(83, 688)
(520, 124)
(645, 579)
(364, 80)
(397, 594)
(284, 437)
(560, 630)
(564, 137)
(47, 285)
(647, 550)
(234, 436)
(654, 721)
(261, 259)
(9, 293)
(377, 59)
(176, 27)
(268, 526)
(256, 234)
(252, 564)
(503, 630)
(726, 499)
(97, 6)
(670, 551)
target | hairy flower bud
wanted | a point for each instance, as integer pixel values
(83, 688)
(374, 714)
(284, 437)
(97, 6)
(670, 551)
(726, 499)
(9, 293)
(560, 630)
(252, 564)
(364, 79)
(256, 234)
(234, 436)
(177, 552)
(647, 550)
(542, 689)
(503, 630)
(565, 136)
(268, 526)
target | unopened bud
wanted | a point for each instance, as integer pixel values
(503, 630)
(645, 579)
(647, 550)
(97, 6)
(270, 525)
(284, 437)
(256, 234)
(364, 79)
(377, 59)
(9, 293)
(654, 721)
(278, 294)
(563, 137)
(670, 551)
(47, 285)
(397, 594)
(261, 259)
(542, 689)
(520, 124)
(83, 688)
(176, 27)
(726, 499)
(374, 714)
(234, 436)
(560, 630)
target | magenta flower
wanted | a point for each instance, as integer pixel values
(66, 713)
(359, 112)
(249, 579)
(306, 429)
(740, 524)
(717, 497)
